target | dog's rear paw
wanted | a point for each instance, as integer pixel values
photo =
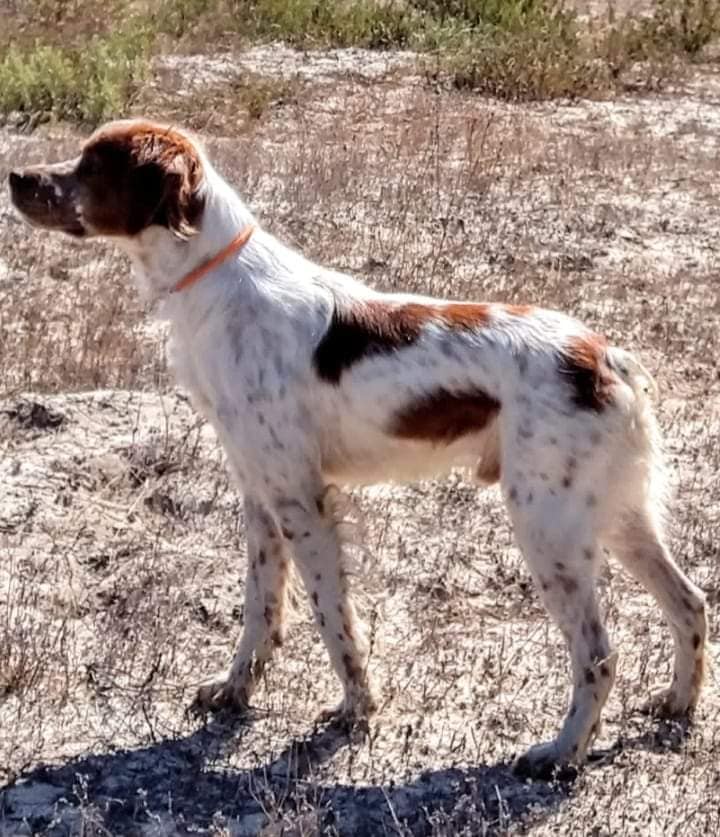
(220, 693)
(545, 761)
(667, 703)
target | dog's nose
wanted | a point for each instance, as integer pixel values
(21, 181)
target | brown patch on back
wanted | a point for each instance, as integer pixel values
(465, 315)
(519, 310)
(442, 417)
(377, 327)
(135, 174)
(584, 366)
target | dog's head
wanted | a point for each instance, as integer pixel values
(130, 175)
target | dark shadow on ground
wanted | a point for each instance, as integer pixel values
(180, 786)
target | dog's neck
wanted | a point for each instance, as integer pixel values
(161, 260)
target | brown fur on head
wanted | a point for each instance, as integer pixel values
(129, 176)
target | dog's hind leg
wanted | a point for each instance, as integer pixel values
(559, 546)
(638, 543)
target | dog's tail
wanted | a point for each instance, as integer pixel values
(635, 375)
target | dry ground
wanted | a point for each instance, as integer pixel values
(122, 539)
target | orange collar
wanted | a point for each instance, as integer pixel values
(240, 240)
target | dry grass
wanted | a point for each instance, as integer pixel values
(73, 60)
(122, 539)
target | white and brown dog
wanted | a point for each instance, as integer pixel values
(310, 378)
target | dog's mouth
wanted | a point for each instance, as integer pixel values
(47, 201)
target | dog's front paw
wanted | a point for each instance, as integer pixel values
(545, 761)
(221, 692)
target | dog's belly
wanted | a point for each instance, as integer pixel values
(365, 461)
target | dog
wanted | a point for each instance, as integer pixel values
(311, 379)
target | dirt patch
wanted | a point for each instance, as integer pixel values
(283, 62)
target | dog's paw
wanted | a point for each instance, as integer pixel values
(667, 703)
(545, 761)
(352, 712)
(221, 693)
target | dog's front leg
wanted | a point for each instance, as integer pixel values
(264, 613)
(312, 532)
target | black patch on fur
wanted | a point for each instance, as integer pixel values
(356, 334)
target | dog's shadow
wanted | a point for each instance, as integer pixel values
(185, 785)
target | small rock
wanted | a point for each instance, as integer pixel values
(32, 415)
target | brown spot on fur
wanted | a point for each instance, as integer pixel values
(588, 554)
(488, 471)
(468, 316)
(318, 576)
(589, 676)
(268, 614)
(584, 366)
(544, 584)
(352, 671)
(696, 641)
(443, 416)
(567, 481)
(604, 670)
(315, 598)
(569, 585)
(698, 674)
(276, 638)
(348, 630)
(591, 501)
(573, 710)
(559, 566)
(132, 175)
(377, 327)
(257, 668)
(261, 557)
(519, 310)
(321, 618)
(512, 494)
(288, 534)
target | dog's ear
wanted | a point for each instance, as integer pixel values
(168, 181)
